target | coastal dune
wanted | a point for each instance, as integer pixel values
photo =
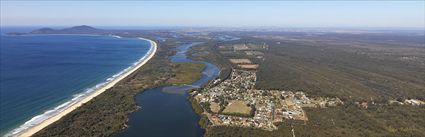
(37, 127)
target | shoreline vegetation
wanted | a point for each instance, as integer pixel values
(186, 72)
(107, 114)
(36, 128)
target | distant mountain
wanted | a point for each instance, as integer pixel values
(73, 30)
(81, 29)
(43, 31)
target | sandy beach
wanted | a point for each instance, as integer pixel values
(32, 130)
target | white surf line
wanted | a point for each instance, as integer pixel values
(37, 127)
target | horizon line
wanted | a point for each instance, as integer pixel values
(217, 26)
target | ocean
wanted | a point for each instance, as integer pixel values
(41, 74)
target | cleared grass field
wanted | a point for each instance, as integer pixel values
(249, 66)
(237, 107)
(240, 61)
(215, 107)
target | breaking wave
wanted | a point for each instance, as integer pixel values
(76, 98)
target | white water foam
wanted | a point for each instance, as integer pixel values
(76, 98)
(116, 36)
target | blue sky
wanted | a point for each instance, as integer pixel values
(214, 13)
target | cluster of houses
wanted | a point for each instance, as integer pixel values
(235, 102)
(413, 102)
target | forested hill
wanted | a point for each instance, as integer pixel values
(83, 29)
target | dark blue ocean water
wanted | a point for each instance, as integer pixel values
(38, 73)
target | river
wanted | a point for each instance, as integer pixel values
(165, 111)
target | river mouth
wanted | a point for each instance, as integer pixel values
(165, 111)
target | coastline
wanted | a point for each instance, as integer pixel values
(32, 129)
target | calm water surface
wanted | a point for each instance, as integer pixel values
(165, 111)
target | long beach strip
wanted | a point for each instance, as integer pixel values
(34, 129)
